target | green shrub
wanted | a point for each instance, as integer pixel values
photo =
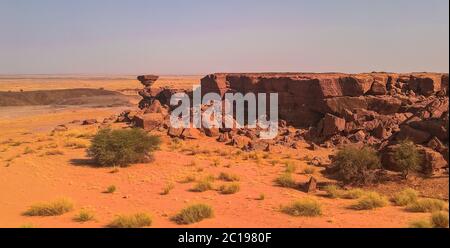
(427, 205)
(420, 224)
(357, 165)
(405, 197)
(54, 208)
(439, 219)
(194, 213)
(370, 201)
(228, 189)
(131, 221)
(122, 147)
(286, 181)
(304, 207)
(228, 177)
(407, 157)
(84, 216)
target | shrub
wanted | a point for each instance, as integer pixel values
(405, 197)
(111, 189)
(228, 177)
(309, 170)
(420, 224)
(261, 197)
(54, 208)
(84, 216)
(290, 167)
(167, 189)
(194, 213)
(76, 143)
(131, 221)
(333, 191)
(28, 150)
(188, 179)
(54, 152)
(353, 194)
(426, 205)
(370, 201)
(203, 185)
(122, 147)
(355, 165)
(228, 189)
(305, 207)
(286, 181)
(439, 219)
(407, 157)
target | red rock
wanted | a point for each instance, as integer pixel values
(434, 162)
(332, 125)
(190, 133)
(311, 186)
(149, 122)
(175, 132)
(89, 122)
(416, 136)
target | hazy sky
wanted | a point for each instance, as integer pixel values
(204, 36)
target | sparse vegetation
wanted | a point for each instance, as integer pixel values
(228, 177)
(54, 208)
(188, 179)
(290, 167)
(54, 153)
(286, 180)
(261, 197)
(407, 157)
(122, 147)
(228, 189)
(194, 213)
(110, 189)
(334, 191)
(76, 143)
(439, 219)
(370, 201)
(28, 150)
(420, 224)
(166, 190)
(357, 165)
(309, 170)
(203, 185)
(427, 205)
(84, 216)
(304, 207)
(131, 221)
(405, 197)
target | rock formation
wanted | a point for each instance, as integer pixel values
(331, 109)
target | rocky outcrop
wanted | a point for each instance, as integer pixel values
(335, 109)
(328, 109)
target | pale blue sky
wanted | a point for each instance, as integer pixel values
(204, 36)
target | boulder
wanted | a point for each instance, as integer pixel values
(149, 122)
(433, 162)
(332, 125)
(175, 132)
(415, 135)
(190, 133)
(311, 185)
(89, 122)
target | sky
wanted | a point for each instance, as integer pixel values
(206, 36)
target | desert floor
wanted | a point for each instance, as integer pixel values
(38, 166)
